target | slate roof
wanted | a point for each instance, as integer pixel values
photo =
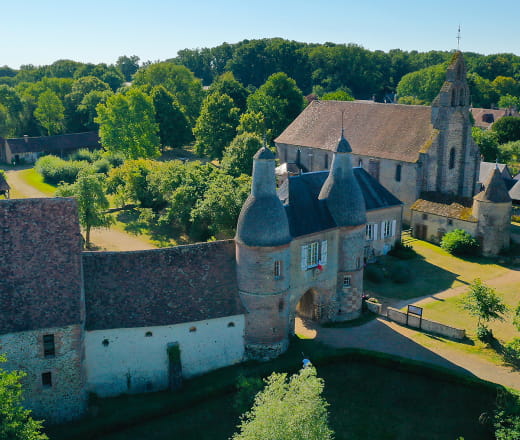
(40, 264)
(392, 131)
(486, 168)
(160, 286)
(514, 192)
(445, 206)
(495, 190)
(307, 214)
(71, 141)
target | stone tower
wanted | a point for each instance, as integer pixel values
(263, 263)
(492, 209)
(453, 167)
(346, 204)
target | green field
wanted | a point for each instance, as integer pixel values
(371, 396)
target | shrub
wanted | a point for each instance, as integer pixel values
(512, 352)
(403, 251)
(55, 170)
(247, 388)
(401, 273)
(86, 155)
(460, 242)
(484, 334)
(101, 166)
(375, 274)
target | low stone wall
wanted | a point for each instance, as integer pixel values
(425, 324)
(374, 307)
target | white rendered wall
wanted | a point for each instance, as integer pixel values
(133, 362)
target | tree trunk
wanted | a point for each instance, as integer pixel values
(87, 236)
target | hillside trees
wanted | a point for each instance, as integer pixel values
(127, 125)
(128, 65)
(50, 112)
(507, 129)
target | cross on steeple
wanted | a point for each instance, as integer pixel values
(458, 38)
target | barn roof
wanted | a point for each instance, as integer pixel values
(445, 206)
(391, 131)
(71, 141)
(160, 286)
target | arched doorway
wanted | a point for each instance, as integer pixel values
(307, 307)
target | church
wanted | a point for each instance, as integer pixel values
(424, 155)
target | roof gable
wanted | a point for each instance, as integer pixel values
(391, 131)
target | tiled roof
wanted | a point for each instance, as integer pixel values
(445, 206)
(160, 286)
(392, 131)
(40, 264)
(56, 143)
(514, 192)
(485, 117)
(307, 214)
(486, 168)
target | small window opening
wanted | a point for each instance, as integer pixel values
(105, 342)
(326, 161)
(346, 281)
(452, 159)
(277, 269)
(193, 329)
(281, 305)
(231, 324)
(148, 334)
(47, 379)
(425, 216)
(450, 222)
(360, 163)
(49, 349)
(398, 173)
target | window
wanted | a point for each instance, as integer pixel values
(277, 269)
(231, 324)
(452, 159)
(47, 379)
(425, 216)
(49, 349)
(450, 222)
(373, 168)
(314, 254)
(371, 231)
(105, 342)
(326, 161)
(360, 163)
(388, 228)
(346, 281)
(148, 334)
(398, 173)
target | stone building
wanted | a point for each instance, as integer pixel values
(28, 149)
(408, 149)
(105, 322)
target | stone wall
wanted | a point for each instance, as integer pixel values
(381, 245)
(66, 398)
(438, 225)
(134, 360)
(425, 324)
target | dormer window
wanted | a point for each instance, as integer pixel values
(277, 269)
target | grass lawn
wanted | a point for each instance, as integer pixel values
(433, 271)
(370, 396)
(31, 177)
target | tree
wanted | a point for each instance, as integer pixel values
(424, 84)
(507, 129)
(228, 85)
(279, 99)
(89, 192)
(487, 142)
(127, 125)
(483, 302)
(87, 108)
(50, 112)
(179, 81)
(174, 129)
(252, 122)
(216, 125)
(483, 94)
(509, 101)
(16, 422)
(128, 65)
(338, 95)
(238, 155)
(288, 409)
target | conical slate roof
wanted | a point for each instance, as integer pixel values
(495, 190)
(341, 190)
(264, 153)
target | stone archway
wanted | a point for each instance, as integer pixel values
(308, 306)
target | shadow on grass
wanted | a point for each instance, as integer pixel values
(425, 278)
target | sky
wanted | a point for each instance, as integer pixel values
(40, 32)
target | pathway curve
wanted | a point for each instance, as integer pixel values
(389, 337)
(103, 239)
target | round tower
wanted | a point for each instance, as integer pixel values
(263, 263)
(346, 205)
(492, 209)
